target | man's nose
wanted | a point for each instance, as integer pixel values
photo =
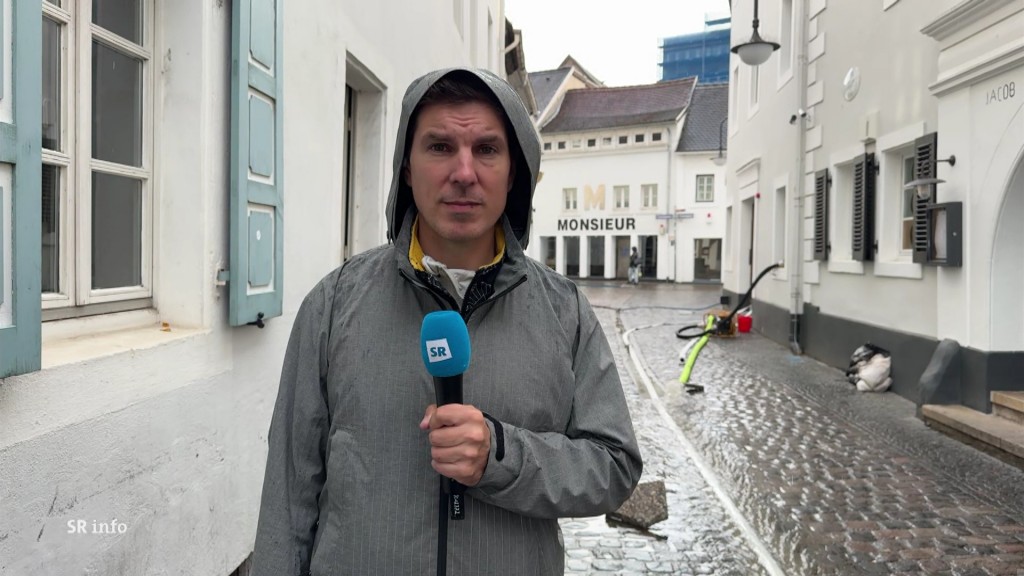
(464, 169)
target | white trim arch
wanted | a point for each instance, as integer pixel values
(1005, 277)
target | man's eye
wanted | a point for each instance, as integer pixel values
(438, 147)
(488, 149)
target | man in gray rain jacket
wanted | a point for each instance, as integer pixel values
(356, 445)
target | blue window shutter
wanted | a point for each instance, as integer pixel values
(20, 345)
(256, 278)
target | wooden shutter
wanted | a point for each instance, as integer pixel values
(925, 149)
(821, 186)
(20, 154)
(864, 179)
(256, 276)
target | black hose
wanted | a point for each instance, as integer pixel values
(723, 325)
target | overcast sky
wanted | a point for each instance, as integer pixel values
(617, 41)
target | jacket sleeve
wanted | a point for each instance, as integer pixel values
(589, 470)
(295, 472)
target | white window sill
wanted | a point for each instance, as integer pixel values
(81, 339)
(845, 267)
(897, 269)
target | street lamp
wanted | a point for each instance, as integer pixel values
(923, 186)
(757, 50)
(720, 159)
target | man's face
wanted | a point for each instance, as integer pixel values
(460, 172)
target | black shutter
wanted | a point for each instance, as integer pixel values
(864, 179)
(821, 186)
(925, 149)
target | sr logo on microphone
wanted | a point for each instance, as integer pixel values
(438, 350)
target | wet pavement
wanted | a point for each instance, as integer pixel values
(833, 481)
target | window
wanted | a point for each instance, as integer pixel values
(755, 85)
(786, 39)
(457, 15)
(623, 139)
(649, 194)
(734, 89)
(97, 169)
(656, 137)
(621, 196)
(779, 241)
(569, 198)
(639, 138)
(577, 143)
(606, 141)
(561, 145)
(706, 188)
(841, 218)
(547, 145)
(907, 204)
(591, 142)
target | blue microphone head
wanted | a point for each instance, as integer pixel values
(444, 344)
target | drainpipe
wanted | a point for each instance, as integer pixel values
(670, 197)
(796, 266)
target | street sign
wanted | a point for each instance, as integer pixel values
(685, 215)
(663, 216)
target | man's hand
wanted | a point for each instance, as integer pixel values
(460, 441)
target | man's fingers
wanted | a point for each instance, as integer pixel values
(427, 416)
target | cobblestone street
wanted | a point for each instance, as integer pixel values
(833, 481)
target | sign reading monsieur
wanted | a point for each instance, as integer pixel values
(575, 224)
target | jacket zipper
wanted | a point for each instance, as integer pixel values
(442, 502)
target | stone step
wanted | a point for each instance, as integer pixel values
(1009, 405)
(998, 436)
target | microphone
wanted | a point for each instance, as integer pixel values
(444, 345)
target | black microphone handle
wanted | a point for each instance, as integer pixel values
(448, 389)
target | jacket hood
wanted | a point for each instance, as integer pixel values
(518, 207)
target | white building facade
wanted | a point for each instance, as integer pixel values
(861, 100)
(615, 176)
(185, 199)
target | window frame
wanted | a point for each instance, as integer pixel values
(890, 150)
(697, 194)
(76, 293)
(649, 201)
(570, 196)
(787, 27)
(754, 102)
(905, 247)
(620, 195)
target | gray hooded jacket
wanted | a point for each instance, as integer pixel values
(349, 488)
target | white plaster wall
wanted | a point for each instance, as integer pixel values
(617, 167)
(897, 64)
(709, 217)
(166, 430)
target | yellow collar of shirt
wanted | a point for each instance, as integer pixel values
(416, 251)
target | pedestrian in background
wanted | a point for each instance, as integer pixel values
(634, 267)
(356, 444)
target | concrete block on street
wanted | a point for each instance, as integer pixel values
(646, 507)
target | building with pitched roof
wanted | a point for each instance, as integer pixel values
(628, 166)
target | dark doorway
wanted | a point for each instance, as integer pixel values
(596, 256)
(572, 255)
(547, 251)
(649, 256)
(707, 260)
(622, 248)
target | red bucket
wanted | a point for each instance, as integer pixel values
(743, 323)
